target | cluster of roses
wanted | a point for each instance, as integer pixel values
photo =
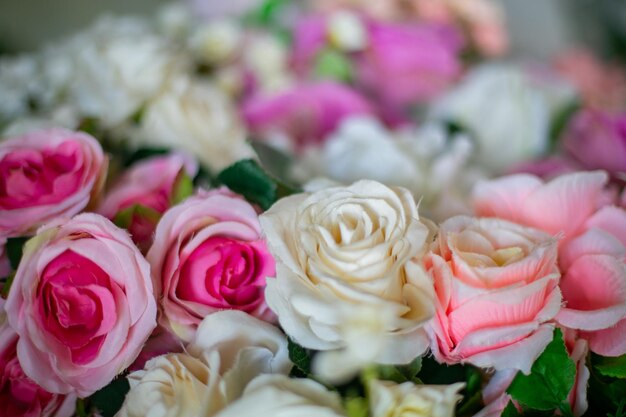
(179, 287)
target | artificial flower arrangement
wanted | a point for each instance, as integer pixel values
(342, 208)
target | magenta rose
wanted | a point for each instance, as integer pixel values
(149, 183)
(45, 174)
(305, 114)
(497, 292)
(19, 395)
(208, 255)
(597, 140)
(405, 64)
(82, 303)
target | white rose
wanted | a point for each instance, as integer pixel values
(277, 395)
(196, 117)
(119, 64)
(216, 42)
(230, 349)
(347, 274)
(17, 80)
(388, 399)
(504, 112)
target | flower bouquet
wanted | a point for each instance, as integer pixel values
(328, 208)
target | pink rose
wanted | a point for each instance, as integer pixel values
(82, 303)
(497, 290)
(46, 174)
(19, 395)
(577, 350)
(597, 140)
(149, 183)
(208, 255)
(547, 168)
(405, 64)
(306, 113)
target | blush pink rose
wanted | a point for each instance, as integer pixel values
(497, 292)
(19, 395)
(306, 114)
(208, 255)
(45, 174)
(408, 63)
(82, 303)
(597, 140)
(149, 183)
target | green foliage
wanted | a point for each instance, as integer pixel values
(356, 407)
(300, 357)
(14, 248)
(552, 377)
(124, 217)
(332, 64)
(614, 367)
(510, 411)
(183, 188)
(6, 285)
(109, 399)
(145, 153)
(400, 373)
(560, 122)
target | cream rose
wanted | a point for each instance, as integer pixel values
(196, 117)
(388, 399)
(231, 348)
(347, 274)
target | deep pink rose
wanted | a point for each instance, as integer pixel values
(149, 183)
(46, 174)
(208, 255)
(405, 64)
(305, 113)
(19, 395)
(82, 303)
(597, 140)
(497, 291)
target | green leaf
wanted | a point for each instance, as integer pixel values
(400, 373)
(334, 65)
(14, 248)
(247, 178)
(560, 122)
(356, 407)
(183, 188)
(610, 366)
(145, 153)
(550, 380)
(124, 218)
(433, 373)
(510, 411)
(109, 399)
(6, 285)
(299, 356)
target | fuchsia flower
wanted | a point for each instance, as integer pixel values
(497, 292)
(208, 255)
(592, 251)
(149, 183)
(45, 174)
(19, 395)
(82, 304)
(306, 113)
(597, 140)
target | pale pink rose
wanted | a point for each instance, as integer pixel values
(82, 303)
(161, 342)
(594, 289)
(408, 63)
(19, 395)
(45, 174)
(601, 85)
(577, 350)
(597, 140)
(149, 183)
(562, 205)
(305, 113)
(494, 393)
(208, 255)
(497, 291)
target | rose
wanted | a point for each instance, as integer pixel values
(305, 113)
(516, 132)
(229, 350)
(46, 174)
(82, 304)
(208, 255)
(151, 184)
(271, 395)
(346, 276)
(496, 285)
(388, 399)
(405, 63)
(19, 395)
(195, 117)
(597, 140)
(119, 64)
(594, 290)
